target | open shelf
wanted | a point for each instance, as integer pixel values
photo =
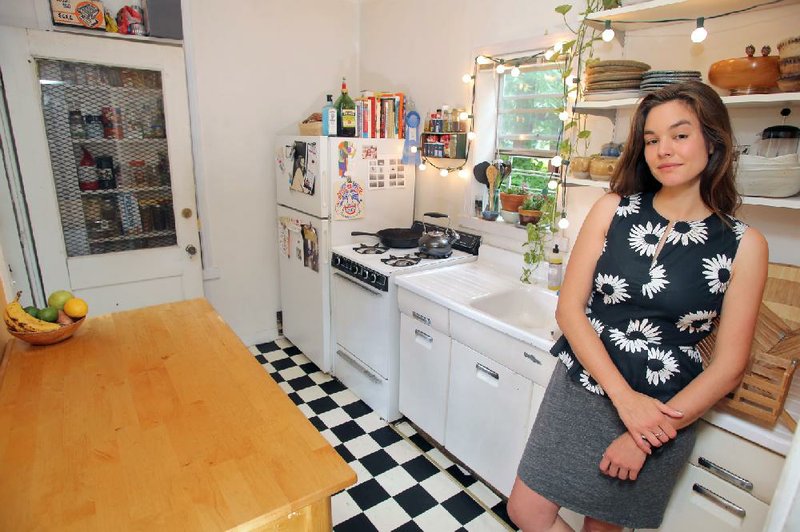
(792, 202)
(669, 10)
(609, 107)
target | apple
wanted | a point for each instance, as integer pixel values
(58, 298)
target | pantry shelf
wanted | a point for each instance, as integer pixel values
(792, 202)
(669, 9)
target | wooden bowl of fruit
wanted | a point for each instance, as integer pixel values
(58, 321)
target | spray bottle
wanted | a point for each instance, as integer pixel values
(554, 269)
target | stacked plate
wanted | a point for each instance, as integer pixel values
(616, 78)
(789, 64)
(652, 80)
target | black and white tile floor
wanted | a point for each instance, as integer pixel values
(403, 482)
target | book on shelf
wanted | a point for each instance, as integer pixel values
(382, 114)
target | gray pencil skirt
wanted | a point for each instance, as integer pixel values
(561, 460)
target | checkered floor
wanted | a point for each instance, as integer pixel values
(404, 483)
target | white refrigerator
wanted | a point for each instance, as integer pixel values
(328, 187)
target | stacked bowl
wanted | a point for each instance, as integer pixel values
(789, 64)
(612, 79)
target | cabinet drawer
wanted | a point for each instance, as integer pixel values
(522, 358)
(424, 375)
(739, 459)
(423, 310)
(701, 501)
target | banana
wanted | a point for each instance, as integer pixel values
(20, 321)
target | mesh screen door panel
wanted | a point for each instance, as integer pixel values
(106, 133)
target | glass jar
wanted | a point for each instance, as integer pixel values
(94, 126)
(136, 173)
(76, 127)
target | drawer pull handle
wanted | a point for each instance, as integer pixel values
(368, 374)
(735, 509)
(493, 374)
(423, 335)
(532, 358)
(724, 474)
(419, 317)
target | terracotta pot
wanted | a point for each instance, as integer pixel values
(601, 168)
(528, 216)
(511, 202)
(746, 75)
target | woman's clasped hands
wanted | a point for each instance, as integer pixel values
(647, 419)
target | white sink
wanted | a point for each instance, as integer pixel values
(527, 307)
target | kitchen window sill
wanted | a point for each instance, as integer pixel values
(495, 228)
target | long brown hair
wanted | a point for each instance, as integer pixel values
(717, 185)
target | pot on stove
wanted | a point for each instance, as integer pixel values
(435, 242)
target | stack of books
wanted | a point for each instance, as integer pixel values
(379, 115)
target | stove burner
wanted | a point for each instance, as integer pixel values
(401, 262)
(375, 249)
(423, 255)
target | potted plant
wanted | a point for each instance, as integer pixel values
(538, 233)
(512, 197)
(531, 209)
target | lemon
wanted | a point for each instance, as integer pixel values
(76, 308)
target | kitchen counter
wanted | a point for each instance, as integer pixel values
(157, 418)
(455, 287)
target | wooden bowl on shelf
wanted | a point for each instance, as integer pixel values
(746, 75)
(49, 337)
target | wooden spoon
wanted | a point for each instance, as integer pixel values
(491, 177)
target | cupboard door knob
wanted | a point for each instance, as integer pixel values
(191, 250)
(186, 212)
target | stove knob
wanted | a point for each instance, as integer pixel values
(354, 269)
(365, 274)
(373, 278)
(337, 260)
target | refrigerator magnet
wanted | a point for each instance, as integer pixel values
(369, 151)
(349, 201)
(346, 151)
(298, 167)
(310, 248)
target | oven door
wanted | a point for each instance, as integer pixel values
(362, 320)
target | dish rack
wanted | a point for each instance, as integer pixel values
(775, 353)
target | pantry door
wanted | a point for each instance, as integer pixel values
(101, 128)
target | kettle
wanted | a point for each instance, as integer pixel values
(435, 242)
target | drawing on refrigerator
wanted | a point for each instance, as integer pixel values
(322, 195)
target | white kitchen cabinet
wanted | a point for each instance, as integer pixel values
(488, 409)
(424, 376)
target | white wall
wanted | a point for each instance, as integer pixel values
(252, 77)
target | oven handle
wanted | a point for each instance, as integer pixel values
(359, 367)
(356, 283)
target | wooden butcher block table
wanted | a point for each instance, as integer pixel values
(157, 419)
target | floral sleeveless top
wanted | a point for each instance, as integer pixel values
(651, 315)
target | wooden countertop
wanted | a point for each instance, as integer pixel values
(156, 418)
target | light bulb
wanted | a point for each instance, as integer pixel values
(466, 78)
(552, 184)
(443, 172)
(463, 115)
(515, 71)
(699, 34)
(556, 161)
(558, 46)
(483, 60)
(422, 167)
(563, 116)
(471, 135)
(500, 68)
(549, 54)
(413, 149)
(563, 223)
(462, 173)
(608, 33)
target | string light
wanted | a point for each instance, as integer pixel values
(463, 173)
(413, 149)
(699, 34)
(553, 183)
(563, 116)
(463, 115)
(443, 172)
(466, 78)
(422, 167)
(483, 60)
(563, 223)
(471, 135)
(500, 67)
(556, 161)
(515, 71)
(608, 32)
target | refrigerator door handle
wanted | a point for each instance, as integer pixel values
(324, 174)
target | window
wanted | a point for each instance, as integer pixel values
(528, 127)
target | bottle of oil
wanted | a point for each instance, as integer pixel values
(345, 113)
(554, 269)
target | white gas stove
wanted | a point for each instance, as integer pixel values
(366, 319)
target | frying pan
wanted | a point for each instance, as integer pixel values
(396, 237)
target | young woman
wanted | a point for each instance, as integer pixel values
(656, 261)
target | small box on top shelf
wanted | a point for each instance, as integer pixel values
(83, 13)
